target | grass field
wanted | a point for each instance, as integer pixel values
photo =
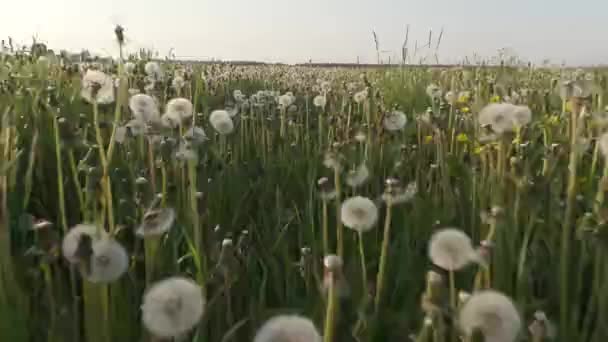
(228, 195)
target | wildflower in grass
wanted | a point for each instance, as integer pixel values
(542, 328)
(320, 101)
(186, 152)
(332, 160)
(172, 307)
(179, 109)
(73, 245)
(333, 275)
(434, 92)
(108, 262)
(359, 213)
(121, 134)
(144, 108)
(156, 222)
(491, 313)
(396, 194)
(360, 137)
(326, 189)
(451, 249)
(359, 97)
(325, 87)
(357, 177)
(451, 97)
(288, 328)
(129, 67)
(504, 117)
(153, 70)
(286, 100)
(195, 135)
(394, 121)
(178, 82)
(97, 87)
(221, 122)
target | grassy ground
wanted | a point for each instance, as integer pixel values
(537, 195)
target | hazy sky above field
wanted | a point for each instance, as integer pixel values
(322, 30)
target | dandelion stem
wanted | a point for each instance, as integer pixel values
(329, 331)
(383, 257)
(339, 227)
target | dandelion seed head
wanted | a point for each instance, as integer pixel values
(221, 122)
(108, 262)
(451, 249)
(320, 101)
(97, 87)
(179, 109)
(156, 222)
(359, 213)
(144, 108)
(71, 240)
(172, 307)
(357, 177)
(288, 328)
(152, 69)
(493, 314)
(129, 67)
(603, 144)
(394, 121)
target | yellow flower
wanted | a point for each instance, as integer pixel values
(465, 109)
(553, 120)
(428, 139)
(463, 99)
(478, 149)
(463, 138)
(495, 99)
(568, 106)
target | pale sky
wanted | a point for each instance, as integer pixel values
(322, 30)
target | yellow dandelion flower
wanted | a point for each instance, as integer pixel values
(465, 109)
(428, 139)
(495, 99)
(462, 137)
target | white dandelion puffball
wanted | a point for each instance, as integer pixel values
(178, 82)
(152, 69)
(603, 145)
(288, 328)
(451, 249)
(172, 307)
(504, 117)
(144, 108)
(358, 176)
(71, 240)
(359, 213)
(433, 91)
(493, 314)
(320, 101)
(108, 262)
(129, 67)
(97, 87)
(394, 121)
(156, 222)
(286, 100)
(450, 97)
(359, 97)
(221, 122)
(522, 115)
(179, 109)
